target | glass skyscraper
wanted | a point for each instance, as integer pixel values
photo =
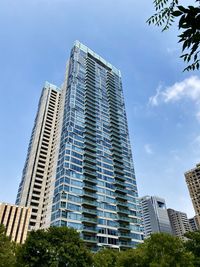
(94, 188)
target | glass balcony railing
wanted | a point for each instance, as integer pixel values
(89, 229)
(124, 219)
(90, 220)
(124, 226)
(125, 244)
(90, 160)
(121, 203)
(124, 211)
(89, 194)
(90, 173)
(90, 187)
(91, 180)
(89, 211)
(120, 196)
(90, 239)
(120, 189)
(89, 202)
(90, 154)
(117, 182)
(125, 235)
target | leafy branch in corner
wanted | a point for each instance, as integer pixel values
(189, 25)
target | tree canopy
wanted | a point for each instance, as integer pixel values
(54, 247)
(7, 249)
(193, 245)
(188, 24)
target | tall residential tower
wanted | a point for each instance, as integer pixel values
(40, 165)
(94, 187)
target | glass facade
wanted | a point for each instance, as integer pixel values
(95, 189)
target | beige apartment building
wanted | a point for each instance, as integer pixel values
(179, 222)
(193, 182)
(16, 221)
(39, 170)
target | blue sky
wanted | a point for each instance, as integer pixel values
(163, 103)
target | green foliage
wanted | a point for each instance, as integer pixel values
(106, 258)
(165, 250)
(189, 25)
(54, 247)
(193, 245)
(160, 250)
(7, 249)
(132, 258)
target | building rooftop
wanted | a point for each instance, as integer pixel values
(95, 55)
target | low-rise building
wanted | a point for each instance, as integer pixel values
(16, 220)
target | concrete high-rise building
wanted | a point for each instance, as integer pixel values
(194, 224)
(40, 165)
(179, 222)
(193, 182)
(16, 221)
(94, 188)
(154, 215)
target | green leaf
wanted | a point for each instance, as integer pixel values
(177, 13)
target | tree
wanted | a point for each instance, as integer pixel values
(7, 249)
(160, 250)
(193, 245)
(54, 247)
(132, 258)
(189, 25)
(106, 258)
(165, 250)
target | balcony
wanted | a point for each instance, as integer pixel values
(89, 154)
(89, 179)
(89, 160)
(119, 165)
(89, 202)
(90, 187)
(90, 103)
(88, 132)
(124, 227)
(89, 194)
(89, 220)
(120, 178)
(90, 119)
(89, 168)
(125, 244)
(90, 173)
(119, 182)
(124, 211)
(90, 127)
(122, 203)
(90, 114)
(123, 219)
(116, 145)
(89, 229)
(89, 211)
(89, 148)
(118, 159)
(125, 235)
(89, 122)
(121, 189)
(120, 196)
(118, 171)
(89, 239)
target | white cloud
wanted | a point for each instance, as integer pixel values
(188, 88)
(148, 149)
